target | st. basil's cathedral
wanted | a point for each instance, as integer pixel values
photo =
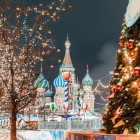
(76, 90)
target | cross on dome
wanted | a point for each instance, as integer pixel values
(87, 69)
(67, 43)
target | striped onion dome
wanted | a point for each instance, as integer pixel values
(59, 81)
(49, 93)
(39, 79)
(41, 82)
(87, 80)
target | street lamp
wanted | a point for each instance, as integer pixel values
(44, 110)
(29, 113)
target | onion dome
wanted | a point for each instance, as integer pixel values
(87, 79)
(59, 81)
(49, 93)
(41, 82)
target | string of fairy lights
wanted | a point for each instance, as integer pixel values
(40, 34)
(26, 39)
(97, 90)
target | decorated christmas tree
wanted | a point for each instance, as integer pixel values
(123, 107)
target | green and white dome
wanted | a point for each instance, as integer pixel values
(41, 82)
(87, 81)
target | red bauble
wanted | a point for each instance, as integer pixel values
(58, 17)
(8, 8)
(118, 88)
(70, 6)
(66, 75)
(131, 44)
(104, 118)
(121, 44)
(40, 4)
(54, 20)
(48, 52)
(136, 72)
(123, 32)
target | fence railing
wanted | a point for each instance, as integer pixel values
(94, 124)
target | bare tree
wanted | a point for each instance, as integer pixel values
(25, 39)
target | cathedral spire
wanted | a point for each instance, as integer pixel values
(67, 59)
(87, 69)
(41, 69)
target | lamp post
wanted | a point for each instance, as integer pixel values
(29, 113)
(44, 110)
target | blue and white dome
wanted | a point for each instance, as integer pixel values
(59, 81)
(87, 81)
(49, 93)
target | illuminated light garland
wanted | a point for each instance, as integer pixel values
(23, 38)
(102, 97)
(99, 103)
(104, 86)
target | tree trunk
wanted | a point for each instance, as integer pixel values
(13, 120)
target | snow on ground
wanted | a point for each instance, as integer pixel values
(35, 135)
(4, 134)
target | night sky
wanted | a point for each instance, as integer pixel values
(94, 28)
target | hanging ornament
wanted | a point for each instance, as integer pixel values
(121, 44)
(125, 50)
(104, 118)
(110, 96)
(126, 77)
(120, 123)
(130, 61)
(118, 52)
(131, 43)
(123, 32)
(134, 87)
(118, 88)
(126, 35)
(112, 88)
(136, 71)
(48, 52)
